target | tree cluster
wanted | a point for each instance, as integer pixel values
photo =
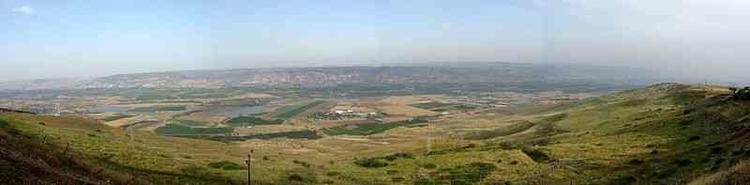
(742, 94)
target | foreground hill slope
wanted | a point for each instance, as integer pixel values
(661, 134)
(73, 150)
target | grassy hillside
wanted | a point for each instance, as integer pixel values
(26, 161)
(661, 134)
(147, 156)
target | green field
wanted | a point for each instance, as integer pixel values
(179, 129)
(499, 132)
(191, 123)
(116, 117)
(303, 134)
(158, 109)
(251, 121)
(430, 105)
(291, 111)
(368, 129)
(440, 107)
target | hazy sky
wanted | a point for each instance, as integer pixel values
(64, 38)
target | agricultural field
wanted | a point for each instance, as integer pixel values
(292, 110)
(164, 108)
(174, 129)
(369, 129)
(251, 121)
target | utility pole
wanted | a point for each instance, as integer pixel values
(248, 162)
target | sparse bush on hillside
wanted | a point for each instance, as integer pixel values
(295, 177)
(635, 162)
(694, 138)
(536, 154)
(395, 156)
(300, 177)
(460, 175)
(4, 124)
(332, 173)
(429, 166)
(226, 165)
(195, 171)
(371, 163)
(683, 162)
(303, 163)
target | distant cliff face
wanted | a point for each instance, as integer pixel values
(464, 73)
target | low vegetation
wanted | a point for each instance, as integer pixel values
(500, 132)
(461, 175)
(227, 165)
(377, 162)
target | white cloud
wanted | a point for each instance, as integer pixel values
(25, 10)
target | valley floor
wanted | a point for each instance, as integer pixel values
(661, 134)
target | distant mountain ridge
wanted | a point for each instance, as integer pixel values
(441, 73)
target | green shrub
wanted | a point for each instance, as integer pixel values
(694, 138)
(429, 166)
(295, 177)
(332, 173)
(4, 124)
(683, 162)
(536, 154)
(395, 156)
(226, 165)
(742, 94)
(635, 162)
(371, 163)
(460, 175)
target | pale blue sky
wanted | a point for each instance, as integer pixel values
(78, 38)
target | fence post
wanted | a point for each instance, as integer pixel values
(248, 162)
